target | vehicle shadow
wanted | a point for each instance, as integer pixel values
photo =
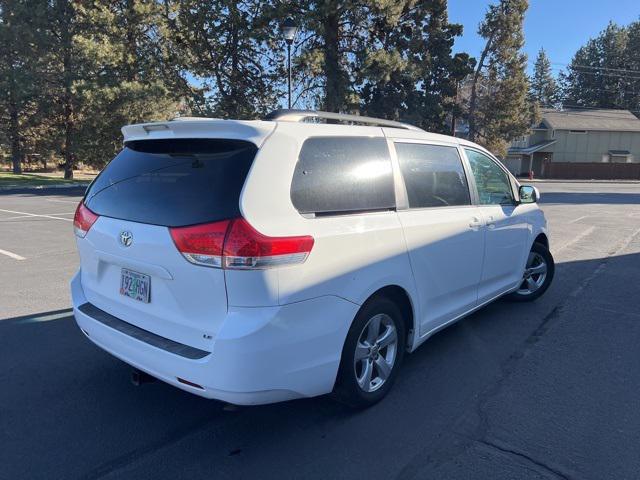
(66, 399)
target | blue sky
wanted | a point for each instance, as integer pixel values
(560, 26)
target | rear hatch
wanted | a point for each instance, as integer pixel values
(151, 186)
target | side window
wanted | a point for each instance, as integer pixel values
(343, 174)
(494, 187)
(433, 174)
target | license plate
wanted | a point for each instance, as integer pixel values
(135, 285)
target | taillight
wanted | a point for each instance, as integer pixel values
(83, 220)
(201, 244)
(235, 244)
(245, 247)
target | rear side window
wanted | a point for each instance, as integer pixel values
(173, 182)
(343, 174)
(433, 174)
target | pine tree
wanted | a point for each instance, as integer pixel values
(632, 65)
(409, 71)
(224, 44)
(20, 83)
(596, 76)
(102, 71)
(499, 109)
(70, 68)
(333, 36)
(543, 87)
(132, 86)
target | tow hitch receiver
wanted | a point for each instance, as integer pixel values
(139, 377)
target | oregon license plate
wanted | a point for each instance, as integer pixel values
(135, 285)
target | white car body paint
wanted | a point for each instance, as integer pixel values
(277, 333)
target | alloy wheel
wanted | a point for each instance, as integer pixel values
(535, 273)
(376, 352)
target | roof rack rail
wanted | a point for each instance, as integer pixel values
(292, 115)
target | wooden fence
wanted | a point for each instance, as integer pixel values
(587, 171)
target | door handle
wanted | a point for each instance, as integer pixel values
(475, 223)
(491, 224)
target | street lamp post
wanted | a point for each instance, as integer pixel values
(289, 30)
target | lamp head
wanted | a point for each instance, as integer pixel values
(289, 30)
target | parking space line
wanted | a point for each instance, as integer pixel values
(15, 256)
(42, 317)
(26, 214)
(75, 202)
(14, 218)
(576, 239)
(579, 218)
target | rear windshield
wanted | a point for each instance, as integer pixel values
(173, 182)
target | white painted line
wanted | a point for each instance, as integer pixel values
(15, 256)
(42, 216)
(576, 239)
(46, 318)
(31, 216)
(13, 218)
(579, 218)
(75, 202)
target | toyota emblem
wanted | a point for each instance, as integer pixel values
(126, 238)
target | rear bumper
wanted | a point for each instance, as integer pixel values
(260, 355)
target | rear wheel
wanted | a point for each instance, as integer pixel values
(537, 276)
(372, 354)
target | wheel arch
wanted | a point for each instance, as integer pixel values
(401, 297)
(543, 239)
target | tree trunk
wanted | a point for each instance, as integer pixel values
(334, 94)
(130, 53)
(68, 112)
(236, 104)
(14, 135)
(68, 139)
(473, 102)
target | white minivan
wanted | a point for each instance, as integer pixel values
(260, 261)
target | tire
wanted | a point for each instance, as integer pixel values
(353, 387)
(533, 285)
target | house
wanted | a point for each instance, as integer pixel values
(579, 143)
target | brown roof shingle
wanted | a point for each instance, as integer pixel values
(601, 119)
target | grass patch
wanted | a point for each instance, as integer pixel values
(8, 179)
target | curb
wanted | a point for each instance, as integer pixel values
(559, 180)
(44, 187)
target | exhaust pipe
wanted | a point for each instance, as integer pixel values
(139, 377)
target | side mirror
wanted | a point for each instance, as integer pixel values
(528, 194)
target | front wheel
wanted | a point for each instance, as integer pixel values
(372, 354)
(537, 276)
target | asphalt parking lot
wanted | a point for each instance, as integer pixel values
(542, 390)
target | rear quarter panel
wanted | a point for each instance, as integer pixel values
(353, 255)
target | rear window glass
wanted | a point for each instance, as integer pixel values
(173, 182)
(433, 174)
(343, 174)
